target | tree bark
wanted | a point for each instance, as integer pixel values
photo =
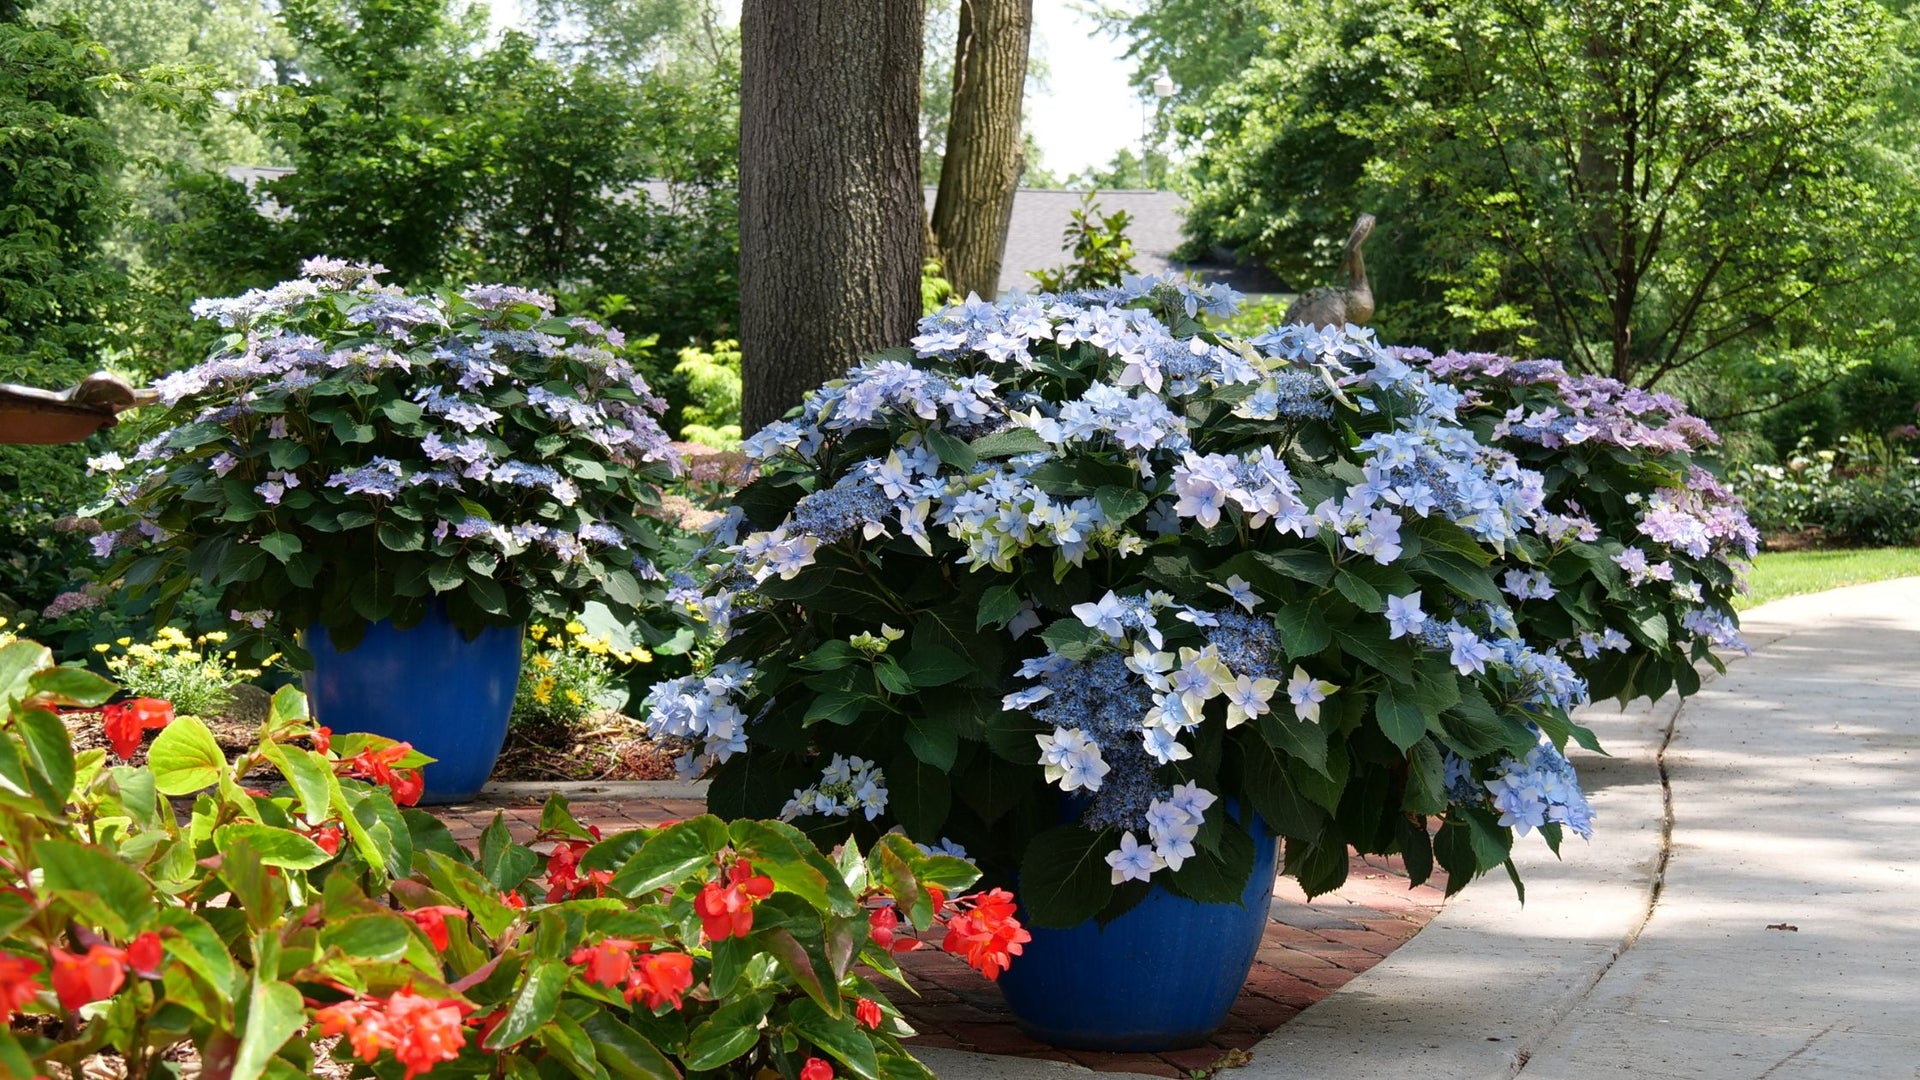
(830, 205)
(985, 156)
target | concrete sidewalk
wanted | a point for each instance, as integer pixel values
(1749, 915)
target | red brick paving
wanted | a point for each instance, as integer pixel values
(1309, 951)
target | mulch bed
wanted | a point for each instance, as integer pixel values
(604, 747)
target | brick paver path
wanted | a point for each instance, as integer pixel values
(1310, 949)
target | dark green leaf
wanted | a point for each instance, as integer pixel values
(934, 665)
(952, 451)
(1064, 877)
(932, 741)
(1400, 717)
(624, 1051)
(732, 1030)
(1118, 503)
(1010, 443)
(280, 545)
(998, 606)
(1303, 628)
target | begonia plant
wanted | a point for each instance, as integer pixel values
(1086, 589)
(350, 452)
(264, 915)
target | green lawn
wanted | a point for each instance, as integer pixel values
(1779, 574)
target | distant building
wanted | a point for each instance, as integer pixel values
(1040, 220)
(1035, 233)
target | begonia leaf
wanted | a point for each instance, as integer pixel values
(105, 890)
(534, 1005)
(784, 854)
(840, 1036)
(671, 855)
(185, 757)
(730, 1031)
(20, 661)
(271, 846)
(625, 1052)
(63, 685)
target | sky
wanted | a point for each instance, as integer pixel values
(1086, 112)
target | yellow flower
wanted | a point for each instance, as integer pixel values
(214, 636)
(543, 661)
(537, 632)
(102, 647)
(124, 642)
(576, 629)
(574, 696)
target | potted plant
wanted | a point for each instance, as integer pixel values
(399, 481)
(1110, 600)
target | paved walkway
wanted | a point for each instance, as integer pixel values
(1746, 911)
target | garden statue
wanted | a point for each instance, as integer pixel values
(1334, 306)
(50, 417)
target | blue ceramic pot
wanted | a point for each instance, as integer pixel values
(1160, 977)
(426, 685)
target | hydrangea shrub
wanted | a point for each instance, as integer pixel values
(1081, 587)
(350, 452)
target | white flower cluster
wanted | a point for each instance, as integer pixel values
(846, 784)
(1172, 824)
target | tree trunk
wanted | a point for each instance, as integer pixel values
(830, 203)
(984, 153)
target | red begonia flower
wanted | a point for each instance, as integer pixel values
(144, 955)
(97, 974)
(434, 921)
(608, 964)
(17, 983)
(660, 978)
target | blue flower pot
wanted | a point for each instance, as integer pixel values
(1160, 977)
(426, 685)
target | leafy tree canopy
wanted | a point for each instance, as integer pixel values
(1633, 185)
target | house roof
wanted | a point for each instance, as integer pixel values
(1035, 232)
(1041, 216)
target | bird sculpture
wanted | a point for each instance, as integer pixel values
(1338, 305)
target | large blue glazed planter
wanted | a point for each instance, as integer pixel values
(1160, 977)
(426, 685)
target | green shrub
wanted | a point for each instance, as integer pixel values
(711, 416)
(1864, 493)
(1102, 254)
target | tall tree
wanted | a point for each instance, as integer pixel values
(57, 202)
(830, 208)
(1631, 185)
(984, 153)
